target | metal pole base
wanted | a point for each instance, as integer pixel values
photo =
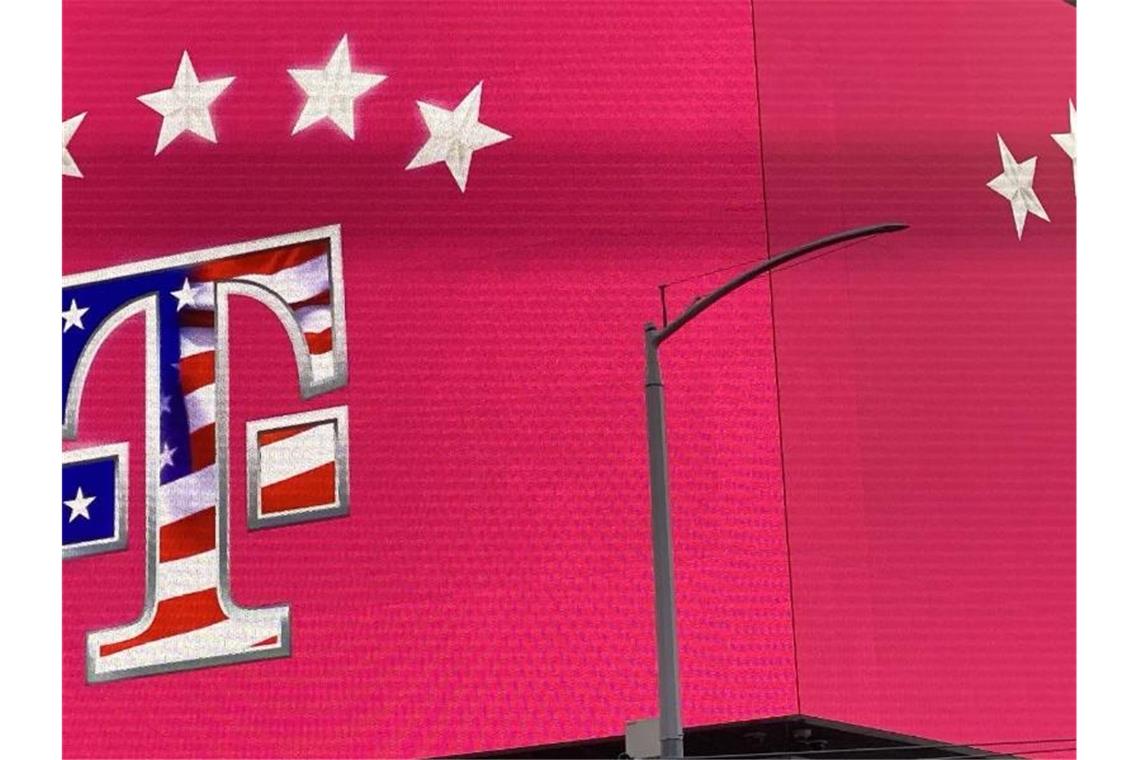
(673, 748)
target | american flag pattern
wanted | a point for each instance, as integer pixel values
(95, 486)
(189, 617)
(297, 467)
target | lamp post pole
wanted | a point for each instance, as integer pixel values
(665, 596)
(668, 676)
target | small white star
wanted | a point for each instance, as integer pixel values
(164, 404)
(73, 317)
(455, 135)
(79, 505)
(333, 90)
(185, 107)
(70, 127)
(185, 294)
(1068, 141)
(1015, 184)
(166, 456)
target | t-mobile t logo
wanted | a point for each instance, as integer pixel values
(297, 463)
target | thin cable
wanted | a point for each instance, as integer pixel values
(943, 745)
(1021, 753)
(792, 754)
(836, 249)
(718, 270)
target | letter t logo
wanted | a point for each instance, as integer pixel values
(188, 618)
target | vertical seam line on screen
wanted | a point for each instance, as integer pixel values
(775, 357)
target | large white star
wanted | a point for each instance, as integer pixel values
(185, 107)
(79, 505)
(70, 168)
(185, 294)
(1015, 184)
(73, 317)
(1068, 141)
(455, 135)
(333, 90)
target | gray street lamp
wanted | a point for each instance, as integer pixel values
(668, 679)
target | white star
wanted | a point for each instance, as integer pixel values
(333, 90)
(164, 404)
(73, 317)
(455, 135)
(79, 505)
(166, 456)
(185, 294)
(185, 107)
(1068, 141)
(1015, 184)
(70, 127)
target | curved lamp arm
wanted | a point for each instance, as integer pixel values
(766, 266)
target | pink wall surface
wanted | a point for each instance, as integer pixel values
(927, 379)
(492, 586)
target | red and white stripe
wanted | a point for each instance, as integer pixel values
(299, 275)
(297, 468)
